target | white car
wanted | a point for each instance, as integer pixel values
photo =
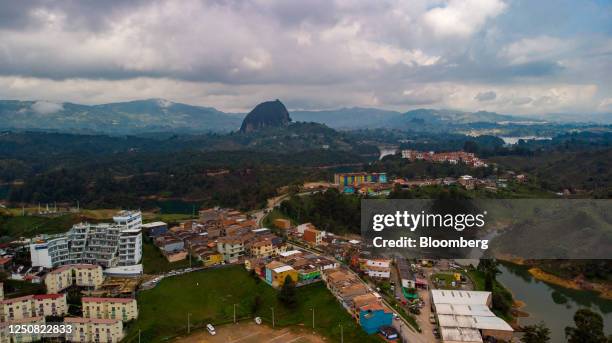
(211, 329)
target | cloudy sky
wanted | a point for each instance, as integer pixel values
(510, 56)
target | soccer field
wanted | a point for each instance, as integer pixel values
(209, 297)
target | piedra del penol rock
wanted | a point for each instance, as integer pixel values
(267, 114)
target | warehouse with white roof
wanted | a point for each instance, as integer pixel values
(466, 317)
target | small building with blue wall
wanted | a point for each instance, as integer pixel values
(372, 317)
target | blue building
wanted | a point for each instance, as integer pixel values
(155, 229)
(374, 316)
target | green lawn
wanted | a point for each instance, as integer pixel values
(29, 226)
(211, 294)
(155, 263)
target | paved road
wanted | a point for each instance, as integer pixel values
(426, 334)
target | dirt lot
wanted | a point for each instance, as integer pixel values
(252, 333)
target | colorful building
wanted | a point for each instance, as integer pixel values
(313, 236)
(373, 316)
(277, 272)
(356, 179)
(211, 258)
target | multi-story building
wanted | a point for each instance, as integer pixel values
(31, 306)
(110, 308)
(376, 267)
(232, 248)
(94, 330)
(313, 236)
(89, 276)
(105, 244)
(356, 179)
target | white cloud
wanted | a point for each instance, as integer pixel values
(535, 49)
(313, 54)
(46, 107)
(462, 18)
(605, 104)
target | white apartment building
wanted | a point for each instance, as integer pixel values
(105, 244)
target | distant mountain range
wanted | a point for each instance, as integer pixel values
(158, 115)
(115, 118)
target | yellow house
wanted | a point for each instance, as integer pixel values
(211, 258)
(279, 275)
(94, 330)
(262, 249)
(124, 309)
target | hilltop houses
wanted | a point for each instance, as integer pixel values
(453, 157)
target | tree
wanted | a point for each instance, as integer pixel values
(256, 304)
(589, 328)
(538, 333)
(287, 293)
(489, 268)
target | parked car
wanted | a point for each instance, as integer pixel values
(211, 329)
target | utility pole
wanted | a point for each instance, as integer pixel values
(312, 318)
(272, 308)
(341, 334)
(234, 313)
(188, 323)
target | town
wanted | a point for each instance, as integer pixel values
(102, 263)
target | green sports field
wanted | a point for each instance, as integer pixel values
(209, 296)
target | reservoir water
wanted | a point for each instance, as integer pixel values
(553, 305)
(514, 140)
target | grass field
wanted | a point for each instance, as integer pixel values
(210, 296)
(155, 263)
(28, 226)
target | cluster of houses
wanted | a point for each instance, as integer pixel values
(219, 236)
(452, 157)
(491, 183)
(362, 303)
(102, 317)
(301, 266)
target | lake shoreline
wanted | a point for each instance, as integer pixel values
(602, 289)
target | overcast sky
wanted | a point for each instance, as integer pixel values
(509, 56)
